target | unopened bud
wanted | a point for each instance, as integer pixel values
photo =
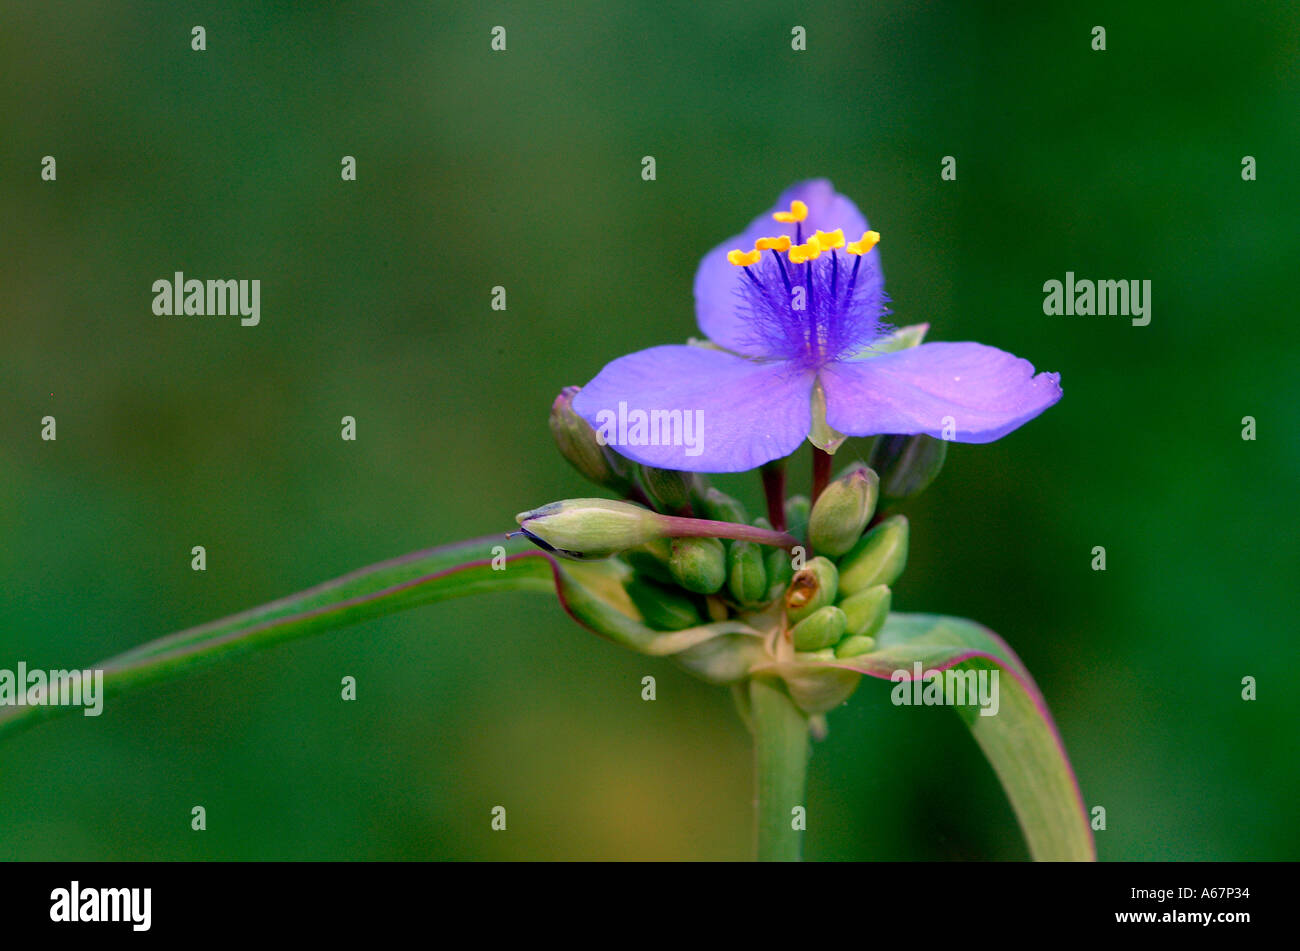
(721, 507)
(855, 645)
(698, 564)
(651, 559)
(796, 516)
(590, 528)
(779, 571)
(813, 587)
(578, 444)
(746, 573)
(669, 489)
(823, 628)
(878, 558)
(907, 464)
(867, 609)
(664, 608)
(842, 511)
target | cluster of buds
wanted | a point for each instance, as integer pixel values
(834, 610)
(695, 556)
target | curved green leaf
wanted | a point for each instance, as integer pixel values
(1021, 741)
(421, 577)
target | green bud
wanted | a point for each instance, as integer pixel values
(867, 609)
(779, 571)
(842, 511)
(578, 444)
(651, 559)
(855, 646)
(796, 516)
(699, 564)
(721, 507)
(746, 574)
(907, 464)
(669, 489)
(878, 558)
(826, 653)
(823, 628)
(664, 608)
(590, 528)
(813, 587)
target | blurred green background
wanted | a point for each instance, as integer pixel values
(522, 169)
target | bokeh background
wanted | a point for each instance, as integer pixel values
(522, 169)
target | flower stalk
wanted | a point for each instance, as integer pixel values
(774, 492)
(821, 473)
(675, 527)
(780, 770)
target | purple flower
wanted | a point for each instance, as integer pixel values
(799, 344)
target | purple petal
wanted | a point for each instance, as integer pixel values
(717, 412)
(977, 393)
(718, 308)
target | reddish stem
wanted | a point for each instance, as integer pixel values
(821, 474)
(774, 490)
(707, 528)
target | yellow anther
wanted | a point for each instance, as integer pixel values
(811, 251)
(826, 240)
(779, 243)
(743, 258)
(798, 212)
(869, 240)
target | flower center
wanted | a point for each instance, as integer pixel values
(805, 303)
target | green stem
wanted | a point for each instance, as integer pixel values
(781, 769)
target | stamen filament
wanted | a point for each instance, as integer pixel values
(784, 276)
(853, 279)
(812, 315)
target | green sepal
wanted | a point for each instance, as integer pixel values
(904, 338)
